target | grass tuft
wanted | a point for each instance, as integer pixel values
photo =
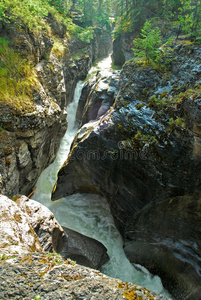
(18, 80)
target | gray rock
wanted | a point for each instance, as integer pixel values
(16, 234)
(49, 277)
(39, 230)
(42, 221)
(166, 238)
(98, 95)
(122, 51)
(84, 250)
(33, 137)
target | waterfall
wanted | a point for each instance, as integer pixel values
(90, 214)
(48, 177)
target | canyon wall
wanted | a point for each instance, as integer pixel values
(144, 156)
(30, 139)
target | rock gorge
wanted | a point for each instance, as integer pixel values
(30, 140)
(143, 155)
(139, 146)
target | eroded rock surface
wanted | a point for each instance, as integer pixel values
(51, 277)
(166, 238)
(47, 274)
(98, 95)
(42, 221)
(16, 234)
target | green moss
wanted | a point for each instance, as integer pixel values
(79, 54)
(18, 80)
(116, 67)
(139, 106)
(4, 257)
(31, 12)
(176, 123)
(58, 47)
(139, 140)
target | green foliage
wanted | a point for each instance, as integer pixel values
(122, 25)
(17, 79)
(36, 298)
(189, 19)
(94, 12)
(4, 257)
(131, 15)
(84, 34)
(30, 12)
(58, 47)
(176, 123)
(61, 6)
(146, 47)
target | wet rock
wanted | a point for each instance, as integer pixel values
(102, 44)
(16, 234)
(166, 238)
(84, 250)
(133, 155)
(82, 55)
(51, 277)
(97, 96)
(122, 51)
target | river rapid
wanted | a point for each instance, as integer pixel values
(89, 214)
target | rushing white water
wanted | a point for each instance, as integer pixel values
(90, 214)
(48, 177)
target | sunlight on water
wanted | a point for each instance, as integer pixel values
(90, 214)
(48, 177)
(104, 66)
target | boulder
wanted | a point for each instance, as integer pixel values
(42, 221)
(98, 95)
(16, 233)
(31, 226)
(145, 148)
(83, 249)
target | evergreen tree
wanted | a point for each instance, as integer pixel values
(146, 47)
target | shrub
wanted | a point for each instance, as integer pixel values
(146, 47)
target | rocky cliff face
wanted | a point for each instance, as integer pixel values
(144, 151)
(30, 139)
(98, 95)
(122, 48)
(166, 238)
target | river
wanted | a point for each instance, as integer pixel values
(89, 214)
